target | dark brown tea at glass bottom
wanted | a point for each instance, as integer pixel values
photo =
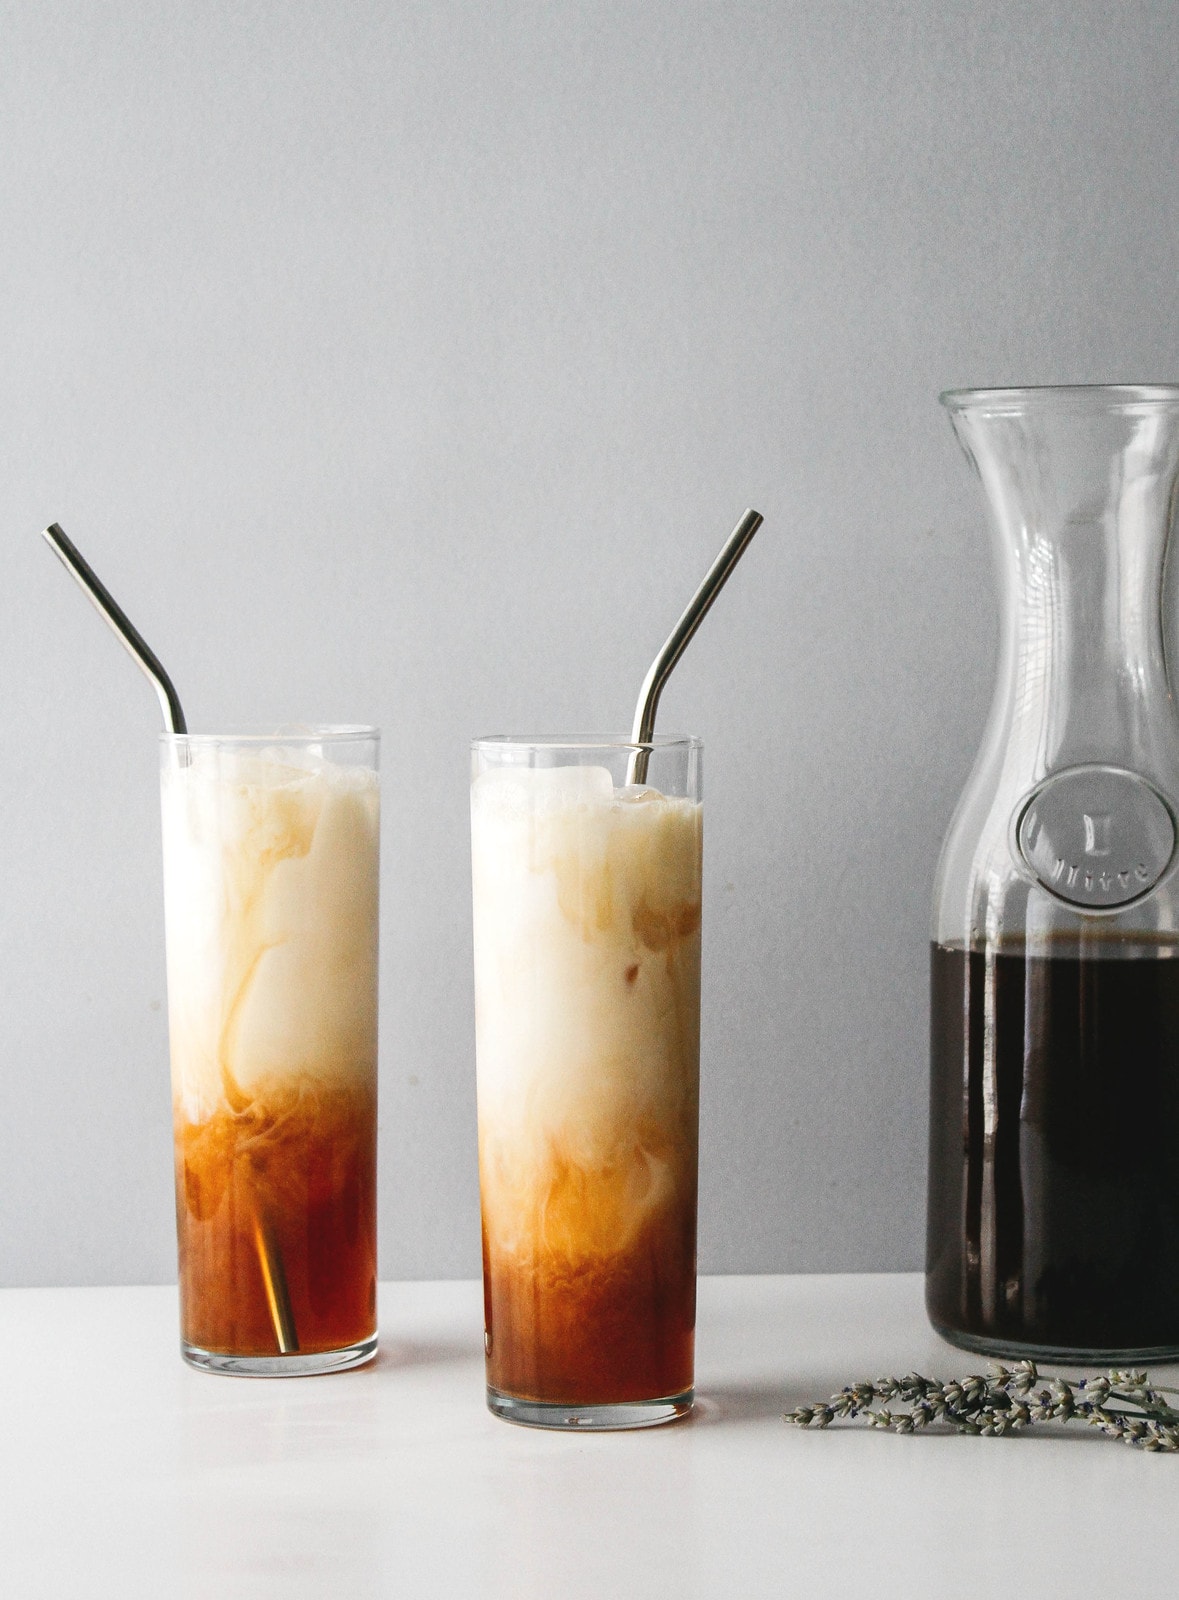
(596, 1331)
(1053, 1223)
(302, 1156)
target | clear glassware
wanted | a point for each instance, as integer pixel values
(1053, 1218)
(271, 858)
(586, 894)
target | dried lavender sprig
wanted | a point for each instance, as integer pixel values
(1007, 1401)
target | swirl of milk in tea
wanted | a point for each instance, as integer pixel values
(270, 868)
(587, 988)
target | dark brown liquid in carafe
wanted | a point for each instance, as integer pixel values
(1053, 1218)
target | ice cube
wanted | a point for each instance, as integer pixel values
(558, 788)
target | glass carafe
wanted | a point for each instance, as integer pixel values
(1053, 1221)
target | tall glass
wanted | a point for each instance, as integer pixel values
(270, 892)
(1053, 1183)
(587, 896)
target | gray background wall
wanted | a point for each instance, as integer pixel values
(409, 362)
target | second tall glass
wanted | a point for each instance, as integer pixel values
(587, 897)
(270, 888)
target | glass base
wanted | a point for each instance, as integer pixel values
(1019, 1350)
(292, 1366)
(590, 1419)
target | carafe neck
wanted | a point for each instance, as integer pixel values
(1082, 489)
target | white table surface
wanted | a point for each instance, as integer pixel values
(124, 1473)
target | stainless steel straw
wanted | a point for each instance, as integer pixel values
(269, 1257)
(677, 643)
(119, 622)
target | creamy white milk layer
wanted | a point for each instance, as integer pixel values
(587, 989)
(270, 892)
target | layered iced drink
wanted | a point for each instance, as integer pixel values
(587, 987)
(270, 878)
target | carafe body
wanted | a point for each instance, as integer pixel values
(1053, 1211)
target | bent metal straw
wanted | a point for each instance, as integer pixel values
(269, 1258)
(677, 642)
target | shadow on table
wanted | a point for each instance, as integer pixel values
(398, 1354)
(745, 1402)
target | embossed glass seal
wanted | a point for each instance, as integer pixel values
(1098, 837)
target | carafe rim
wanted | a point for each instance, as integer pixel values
(1107, 397)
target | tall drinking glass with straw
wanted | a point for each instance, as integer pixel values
(270, 892)
(586, 877)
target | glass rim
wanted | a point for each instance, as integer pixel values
(1111, 396)
(295, 734)
(586, 741)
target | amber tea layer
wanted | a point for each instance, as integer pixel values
(271, 862)
(587, 975)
